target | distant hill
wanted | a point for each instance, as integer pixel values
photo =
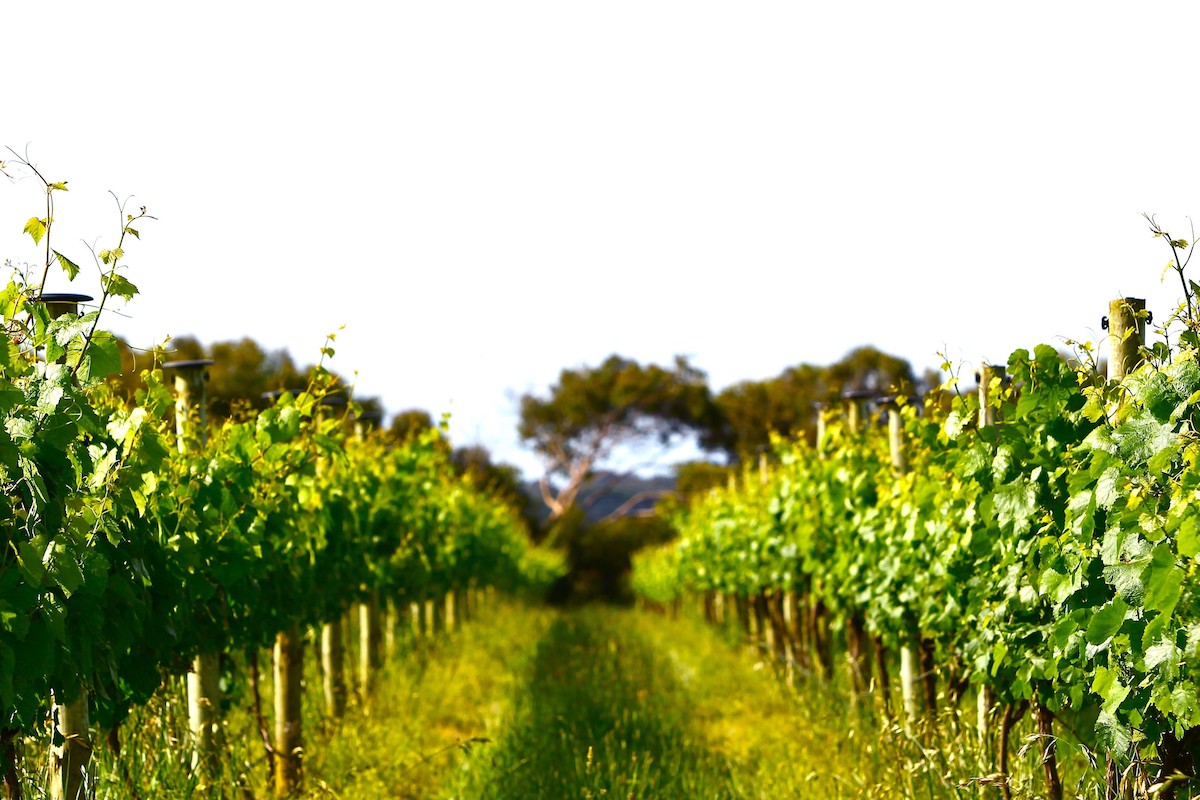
(606, 492)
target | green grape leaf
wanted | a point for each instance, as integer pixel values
(69, 266)
(1128, 565)
(36, 228)
(1188, 539)
(1112, 736)
(1164, 656)
(62, 567)
(118, 285)
(1106, 622)
(1107, 684)
(1016, 504)
(30, 559)
(1163, 581)
(1108, 488)
(103, 357)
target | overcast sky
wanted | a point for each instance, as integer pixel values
(485, 193)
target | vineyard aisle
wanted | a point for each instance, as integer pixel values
(621, 704)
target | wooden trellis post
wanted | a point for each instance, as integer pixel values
(204, 676)
(70, 759)
(1126, 325)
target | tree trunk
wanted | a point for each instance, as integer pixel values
(415, 611)
(710, 610)
(204, 706)
(114, 744)
(762, 629)
(800, 633)
(1178, 757)
(1007, 720)
(8, 752)
(289, 733)
(928, 676)
(259, 719)
(72, 751)
(1112, 779)
(881, 669)
(856, 646)
(743, 613)
(333, 668)
(1049, 745)
(822, 641)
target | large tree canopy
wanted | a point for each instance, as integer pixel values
(243, 371)
(751, 411)
(591, 411)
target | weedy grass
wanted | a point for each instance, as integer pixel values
(599, 716)
(632, 705)
(795, 735)
(435, 701)
(525, 702)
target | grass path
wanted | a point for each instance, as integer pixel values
(627, 705)
(601, 715)
(528, 702)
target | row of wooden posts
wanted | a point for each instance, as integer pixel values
(795, 628)
(378, 621)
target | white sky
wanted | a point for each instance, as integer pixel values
(485, 193)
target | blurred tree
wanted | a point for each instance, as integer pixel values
(502, 480)
(867, 369)
(697, 477)
(411, 423)
(591, 411)
(751, 411)
(243, 372)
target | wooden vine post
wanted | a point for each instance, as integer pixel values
(1126, 325)
(288, 676)
(333, 675)
(204, 676)
(71, 752)
(289, 733)
(908, 659)
(370, 639)
(856, 637)
(814, 621)
(991, 380)
(370, 617)
(333, 634)
(984, 700)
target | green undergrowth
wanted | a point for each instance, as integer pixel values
(600, 716)
(794, 735)
(631, 705)
(526, 702)
(435, 701)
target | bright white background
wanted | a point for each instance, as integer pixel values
(485, 193)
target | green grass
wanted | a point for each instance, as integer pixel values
(632, 705)
(599, 716)
(436, 700)
(526, 702)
